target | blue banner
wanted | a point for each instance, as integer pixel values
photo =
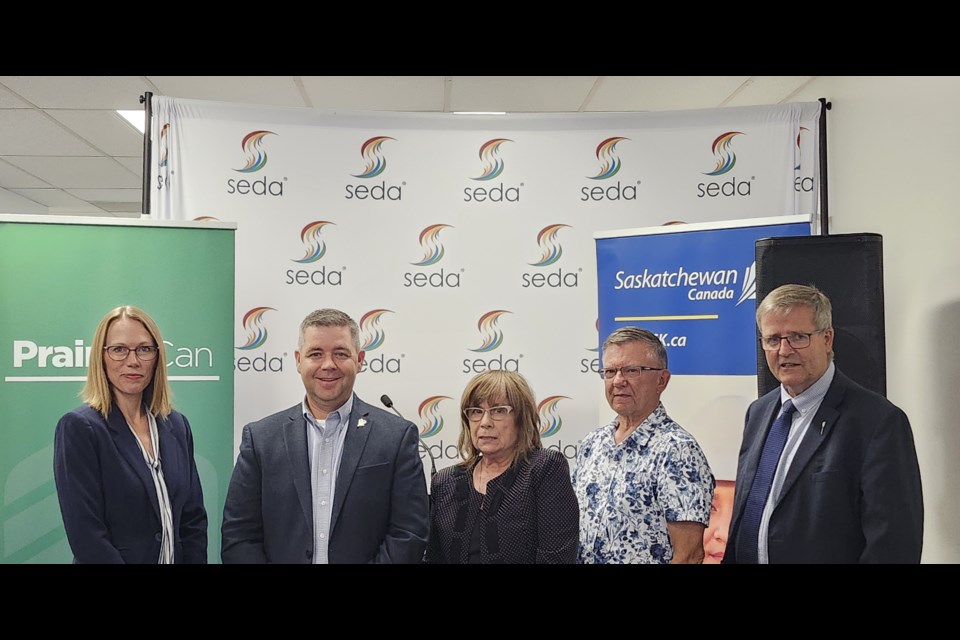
(692, 285)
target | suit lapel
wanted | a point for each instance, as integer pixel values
(126, 443)
(354, 443)
(169, 462)
(756, 435)
(298, 457)
(817, 432)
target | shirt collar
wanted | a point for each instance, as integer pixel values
(646, 429)
(343, 412)
(813, 395)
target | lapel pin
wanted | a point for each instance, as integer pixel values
(822, 425)
(361, 422)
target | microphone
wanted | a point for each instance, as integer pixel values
(388, 403)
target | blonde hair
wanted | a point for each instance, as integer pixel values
(512, 389)
(97, 392)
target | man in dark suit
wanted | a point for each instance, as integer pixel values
(332, 479)
(828, 471)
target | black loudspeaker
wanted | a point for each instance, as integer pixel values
(848, 268)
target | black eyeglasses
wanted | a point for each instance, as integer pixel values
(120, 352)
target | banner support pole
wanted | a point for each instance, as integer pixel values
(147, 103)
(824, 205)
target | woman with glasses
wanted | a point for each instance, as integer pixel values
(123, 461)
(509, 500)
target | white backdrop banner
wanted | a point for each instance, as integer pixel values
(459, 243)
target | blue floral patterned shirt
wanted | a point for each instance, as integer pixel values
(628, 492)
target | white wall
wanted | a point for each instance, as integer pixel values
(894, 169)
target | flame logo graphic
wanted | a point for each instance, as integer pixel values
(430, 243)
(490, 156)
(550, 249)
(256, 157)
(164, 131)
(432, 420)
(310, 236)
(256, 332)
(492, 337)
(595, 349)
(726, 158)
(607, 155)
(373, 337)
(372, 157)
(550, 422)
(802, 129)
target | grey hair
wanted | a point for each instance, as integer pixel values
(786, 297)
(330, 318)
(624, 335)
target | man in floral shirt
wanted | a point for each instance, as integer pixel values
(643, 483)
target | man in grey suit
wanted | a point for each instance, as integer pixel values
(331, 479)
(828, 471)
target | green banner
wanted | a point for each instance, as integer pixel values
(56, 282)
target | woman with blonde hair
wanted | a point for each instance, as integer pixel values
(125, 473)
(509, 500)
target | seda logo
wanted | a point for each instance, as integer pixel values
(256, 330)
(610, 165)
(255, 157)
(492, 168)
(314, 248)
(726, 160)
(372, 337)
(375, 163)
(550, 252)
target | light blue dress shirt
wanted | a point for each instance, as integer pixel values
(325, 440)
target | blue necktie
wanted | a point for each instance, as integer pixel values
(760, 490)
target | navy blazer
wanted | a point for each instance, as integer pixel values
(853, 492)
(106, 491)
(379, 511)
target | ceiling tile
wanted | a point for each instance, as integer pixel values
(79, 173)
(12, 177)
(79, 92)
(271, 90)
(9, 100)
(768, 90)
(519, 94)
(119, 207)
(375, 93)
(11, 202)
(105, 130)
(661, 93)
(135, 164)
(106, 195)
(28, 132)
(56, 198)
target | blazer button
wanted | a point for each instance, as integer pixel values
(309, 553)
(158, 537)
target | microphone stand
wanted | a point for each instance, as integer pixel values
(388, 403)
